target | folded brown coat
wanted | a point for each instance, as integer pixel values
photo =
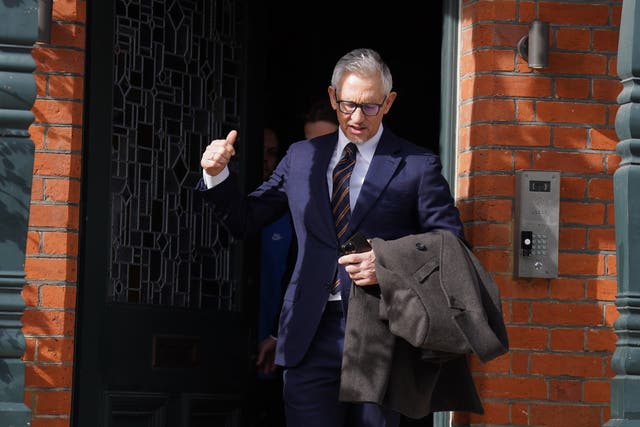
(407, 341)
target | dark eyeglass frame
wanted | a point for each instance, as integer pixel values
(362, 106)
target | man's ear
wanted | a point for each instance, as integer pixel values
(332, 97)
(389, 101)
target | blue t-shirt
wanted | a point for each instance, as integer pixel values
(275, 243)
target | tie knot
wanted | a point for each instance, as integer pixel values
(350, 150)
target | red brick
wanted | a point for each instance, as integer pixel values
(520, 414)
(525, 111)
(582, 213)
(50, 59)
(605, 40)
(48, 322)
(57, 376)
(569, 137)
(493, 235)
(565, 390)
(572, 187)
(597, 391)
(485, 210)
(30, 349)
(567, 289)
(601, 189)
(55, 349)
(494, 260)
(52, 402)
(33, 243)
(58, 216)
(602, 289)
(520, 312)
(37, 189)
(486, 185)
(499, 10)
(64, 138)
(606, 89)
(572, 238)
(572, 88)
(603, 139)
(51, 269)
(519, 362)
(60, 243)
(578, 63)
(487, 60)
(70, 87)
(30, 295)
(570, 112)
(565, 313)
(485, 160)
(61, 421)
(68, 35)
(571, 13)
(69, 11)
(511, 287)
(57, 164)
(62, 190)
(602, 239)
(567, 340)
(58, 111)
(569, 162)
(512, 388)
(571, 263)
(601, 340)
(571, 365)
(58, 296)
(487, 109)
(571, 38)
(495, 413)
(509, 134)
(527, 338)
(564, 415)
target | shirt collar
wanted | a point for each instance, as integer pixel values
(365, 149)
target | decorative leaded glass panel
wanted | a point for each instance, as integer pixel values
(175, 87)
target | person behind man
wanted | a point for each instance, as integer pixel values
(320, 119)
(396, 189)
(275, 245)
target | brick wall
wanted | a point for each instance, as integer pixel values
(52, 247)
(558, 118)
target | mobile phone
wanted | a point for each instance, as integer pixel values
(356, 244)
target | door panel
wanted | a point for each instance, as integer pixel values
(163, 334)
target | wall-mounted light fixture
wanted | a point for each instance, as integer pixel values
(45, 10)
(534, 47)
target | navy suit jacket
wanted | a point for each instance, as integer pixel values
(403, 193)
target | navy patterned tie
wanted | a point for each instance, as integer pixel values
(340, 196)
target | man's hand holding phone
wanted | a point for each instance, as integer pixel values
(359, 260)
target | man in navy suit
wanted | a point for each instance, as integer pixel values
(396, 189)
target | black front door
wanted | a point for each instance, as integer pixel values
(166, 298)
(163, 338)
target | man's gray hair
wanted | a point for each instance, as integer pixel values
(363, 62)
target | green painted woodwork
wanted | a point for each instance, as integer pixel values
(18, 30)
(625, 386)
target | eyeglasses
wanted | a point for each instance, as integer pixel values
(368, 109)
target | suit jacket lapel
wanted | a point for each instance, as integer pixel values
(383, 165)
(319, 219)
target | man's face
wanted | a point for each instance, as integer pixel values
(357, 126)
(317, 128)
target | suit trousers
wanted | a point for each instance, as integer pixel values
(311, 388)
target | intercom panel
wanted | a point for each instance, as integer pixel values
(537, 223)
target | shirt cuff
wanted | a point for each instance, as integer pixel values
(212, 181)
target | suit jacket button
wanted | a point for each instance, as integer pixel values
(421, 246)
